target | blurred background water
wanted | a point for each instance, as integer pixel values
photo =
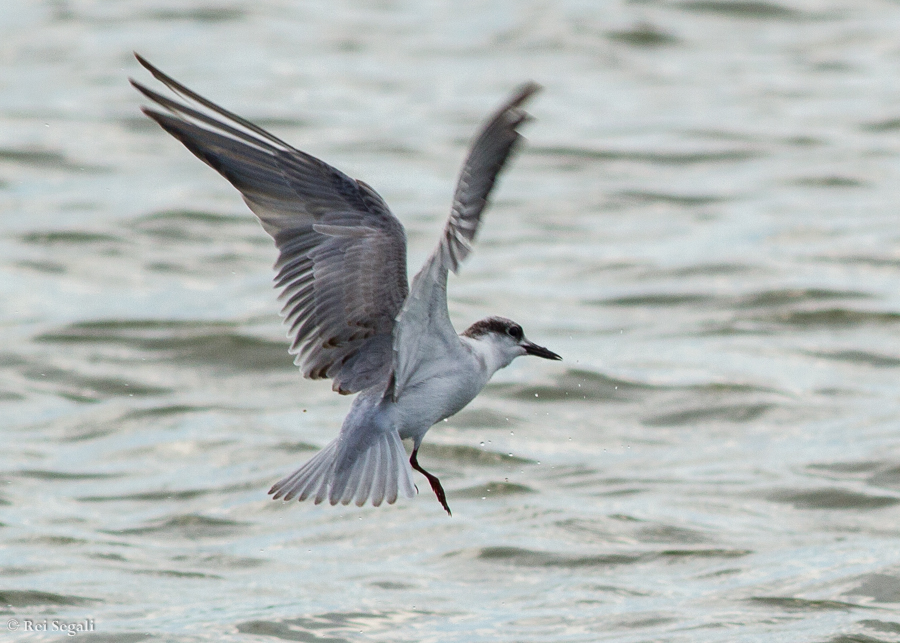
(703, 223)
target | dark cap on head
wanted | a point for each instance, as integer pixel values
(503, 326)
(499, 325)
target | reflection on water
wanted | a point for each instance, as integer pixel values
(703, 223)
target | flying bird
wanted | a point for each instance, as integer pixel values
(352, 315)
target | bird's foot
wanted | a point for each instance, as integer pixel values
(433, 480)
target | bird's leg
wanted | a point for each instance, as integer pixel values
(433, 479)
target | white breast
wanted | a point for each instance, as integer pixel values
(448, 389)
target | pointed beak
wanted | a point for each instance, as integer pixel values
(539, 351)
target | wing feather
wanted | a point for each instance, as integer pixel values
(493, 146)
(342, 254)
(424, 332)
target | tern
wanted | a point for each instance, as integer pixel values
(352, 315)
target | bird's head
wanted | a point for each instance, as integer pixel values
(505, 341)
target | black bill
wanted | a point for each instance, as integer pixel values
(539, 351)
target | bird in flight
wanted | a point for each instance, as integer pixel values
(352, 315)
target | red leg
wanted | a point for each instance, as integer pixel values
(433, 479)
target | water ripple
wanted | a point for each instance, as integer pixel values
(287, 631)
(888, 627)
(30, 598)
(832, 498)
(864, 358)
(763, 299)
(881, 588)
(644, 35)
(534, 558)
(46, 159)
(725, 413)
(492, 490)
(791, 604)
(754, 9)
(189, 526)
(464, 454)
(215, 344)
(87, 388)
(328, 627)
(675, 157)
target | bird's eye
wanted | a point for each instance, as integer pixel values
(515, 332)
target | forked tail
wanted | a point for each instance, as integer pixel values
(342, 471)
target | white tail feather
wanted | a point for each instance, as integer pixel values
(378, 473)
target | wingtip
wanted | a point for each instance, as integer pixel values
(140, 87)
(513, 108)
(156, 73)
(525, 91)
(143, 61)
(143, 89)
(531, 87)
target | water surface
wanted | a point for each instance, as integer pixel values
(703, 223)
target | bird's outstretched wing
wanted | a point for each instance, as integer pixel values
(342, 261)
(424, 332)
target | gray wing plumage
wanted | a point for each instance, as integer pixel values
(493, 146)
(424, 332)
(342, 253)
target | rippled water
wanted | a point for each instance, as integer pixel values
(704, 224)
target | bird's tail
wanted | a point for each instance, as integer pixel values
(345, 471)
